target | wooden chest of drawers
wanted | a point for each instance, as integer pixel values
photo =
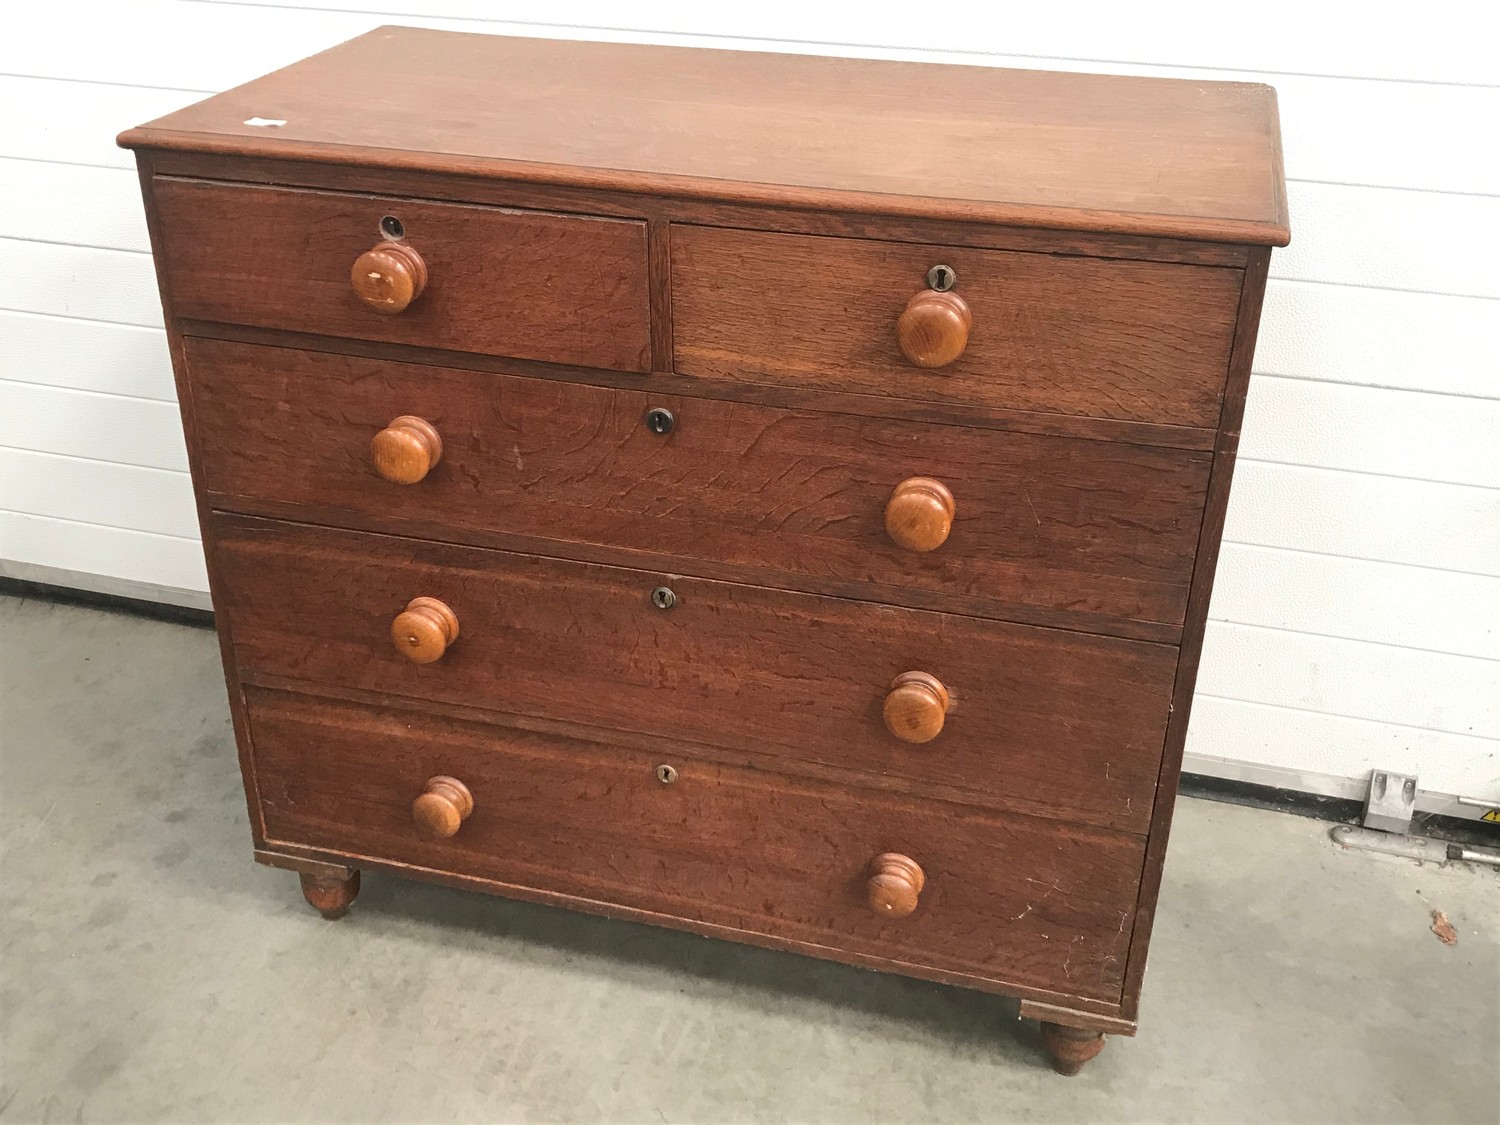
(768, 496)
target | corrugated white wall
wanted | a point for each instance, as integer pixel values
(1355, 620)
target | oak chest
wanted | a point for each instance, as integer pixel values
(769, 496)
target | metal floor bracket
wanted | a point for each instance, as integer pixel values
(1390, 802)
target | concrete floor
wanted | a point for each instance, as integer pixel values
(152, 972)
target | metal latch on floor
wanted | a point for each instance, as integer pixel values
(1386, 825)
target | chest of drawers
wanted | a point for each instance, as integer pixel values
(767, 496)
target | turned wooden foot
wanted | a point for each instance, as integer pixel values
(330, 896)
(1070, 1047)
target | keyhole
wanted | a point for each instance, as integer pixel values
(666, 774)
(660, 421)
(392, 227)
(663, 598)
(941, 278)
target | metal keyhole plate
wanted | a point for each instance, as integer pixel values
(660, 421)
(663, 598)
(392, 227)
(942, 278)
(666, 775)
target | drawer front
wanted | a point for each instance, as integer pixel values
(1058, 723)
(1054, 523)
(562, 288)
(1007, 898)
(1110, 338)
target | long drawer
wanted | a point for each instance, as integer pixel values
(1009, 899)
(1103, 338)
(1060, 723)
(1055, 524)
(531, 284)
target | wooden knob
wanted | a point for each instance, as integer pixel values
(919, 514)
(443, 807)
(424, 630)
(895, 883)
(915, 707)
(406, 450)
(934, 328)
(389, 277)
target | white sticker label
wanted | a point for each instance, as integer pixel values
(265, 122)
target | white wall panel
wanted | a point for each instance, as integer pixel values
(1355, 679)
(1436, 610)
(140, 43)
(102, 492)
(1367, 430)
(1341, 745)
(132, 431)
(42, 204)
(81, 119)
(1384, 134)
(86, 548)
(87, 355)
(79, 281)
(1364, 516)
(1390, 239)
(1379, 338)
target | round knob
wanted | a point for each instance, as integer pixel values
(424, 630)
(389, 277)
(406, 450)
(443, 807)
(915, 707)
(919, 514)
(895, 883)
(934, 328)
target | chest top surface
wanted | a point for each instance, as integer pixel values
(1148, 156)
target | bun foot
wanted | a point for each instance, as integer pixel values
(1070, 1047)
(330, 896)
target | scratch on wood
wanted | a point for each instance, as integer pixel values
(1029, 906)
(1030, 505)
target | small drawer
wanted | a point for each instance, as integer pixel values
(1104, 338)
(1056, 723)
(561, 288)
(890, 509)
(1003, 899)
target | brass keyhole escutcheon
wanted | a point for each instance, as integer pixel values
(942, 278)
(663, 598)
(666, 774)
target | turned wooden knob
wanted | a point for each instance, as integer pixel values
(934, 328)
(894, 885)
(443, 807)
(919, 514)
(423, 631)
(388, 277)
(406, 450)
(915, 707)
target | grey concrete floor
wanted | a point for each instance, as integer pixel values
(153, 972)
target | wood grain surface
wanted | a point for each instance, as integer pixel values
(1076, 151)
(561, 288)
(637, 204)
(1075, 526)
(1011, 898)
(1062, 724)
(1106, 339)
